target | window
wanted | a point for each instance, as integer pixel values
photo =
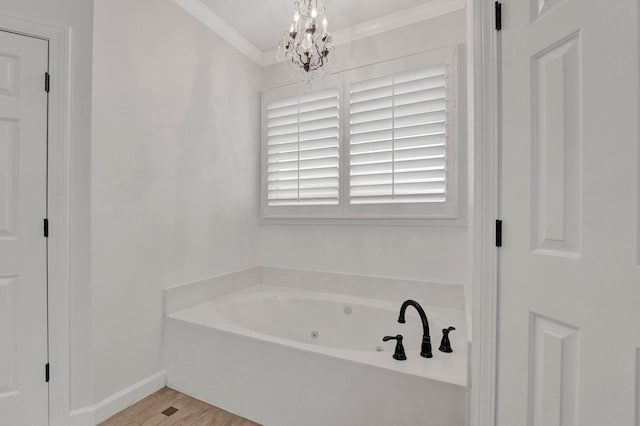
(397, 138)
(302, 149)
(373, 142)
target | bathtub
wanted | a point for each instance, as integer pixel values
(283, 356)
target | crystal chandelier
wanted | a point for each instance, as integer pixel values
(304, 49)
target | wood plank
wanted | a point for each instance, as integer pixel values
(152, 405)
(223, 418)
(189, 412)
(119, 420)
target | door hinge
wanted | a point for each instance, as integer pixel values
(46, 372)
(498, 19)
(498, 233)
(46, 227)
(47, 82)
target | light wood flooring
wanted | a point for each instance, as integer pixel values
(170, 407)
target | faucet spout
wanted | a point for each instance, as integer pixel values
(426, 336)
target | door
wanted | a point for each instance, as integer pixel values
(569, 284)
(23, 250)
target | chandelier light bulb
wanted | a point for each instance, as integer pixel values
(325, 23)
(296, 17)
(314, 13)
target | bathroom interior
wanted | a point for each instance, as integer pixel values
(337, 213)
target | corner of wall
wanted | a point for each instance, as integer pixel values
(92, 415)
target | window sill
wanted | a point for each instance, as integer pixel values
(361, 221)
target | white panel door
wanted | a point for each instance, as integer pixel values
(569, 309)
(23, 251)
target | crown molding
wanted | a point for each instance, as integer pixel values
(390, 22)
(365, 29)
(212, 20)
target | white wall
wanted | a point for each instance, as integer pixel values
(175, 165)
(435, 253)
(151, 204)
(421, 253)
(78, 16)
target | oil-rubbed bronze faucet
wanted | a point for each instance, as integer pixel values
(399, 352)
(426, 338)
(445, 344)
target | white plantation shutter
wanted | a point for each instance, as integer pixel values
(374, 142)
(302, 152)
(398, 136)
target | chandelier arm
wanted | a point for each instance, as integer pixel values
(301, 60)
(317, 51)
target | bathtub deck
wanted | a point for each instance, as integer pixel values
(169, 407)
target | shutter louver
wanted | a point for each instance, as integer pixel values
(302, 149)
(398, 138)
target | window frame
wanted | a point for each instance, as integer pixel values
(435, 213)
(447, 209)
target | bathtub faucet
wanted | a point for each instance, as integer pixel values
(426, 338)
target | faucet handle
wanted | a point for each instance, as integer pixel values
(399, 353)
(445, 344)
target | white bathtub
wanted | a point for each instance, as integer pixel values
(284, 356)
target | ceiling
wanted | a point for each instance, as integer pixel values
(263, 22)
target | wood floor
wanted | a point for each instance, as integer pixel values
(169, 407)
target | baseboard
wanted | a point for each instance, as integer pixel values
(82, 417)
(91, 416)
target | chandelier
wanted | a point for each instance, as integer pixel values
(305, 49)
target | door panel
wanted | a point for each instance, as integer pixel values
(569, 303)
(23, 271)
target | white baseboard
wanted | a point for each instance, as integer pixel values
(90, 416)
(82, 417)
